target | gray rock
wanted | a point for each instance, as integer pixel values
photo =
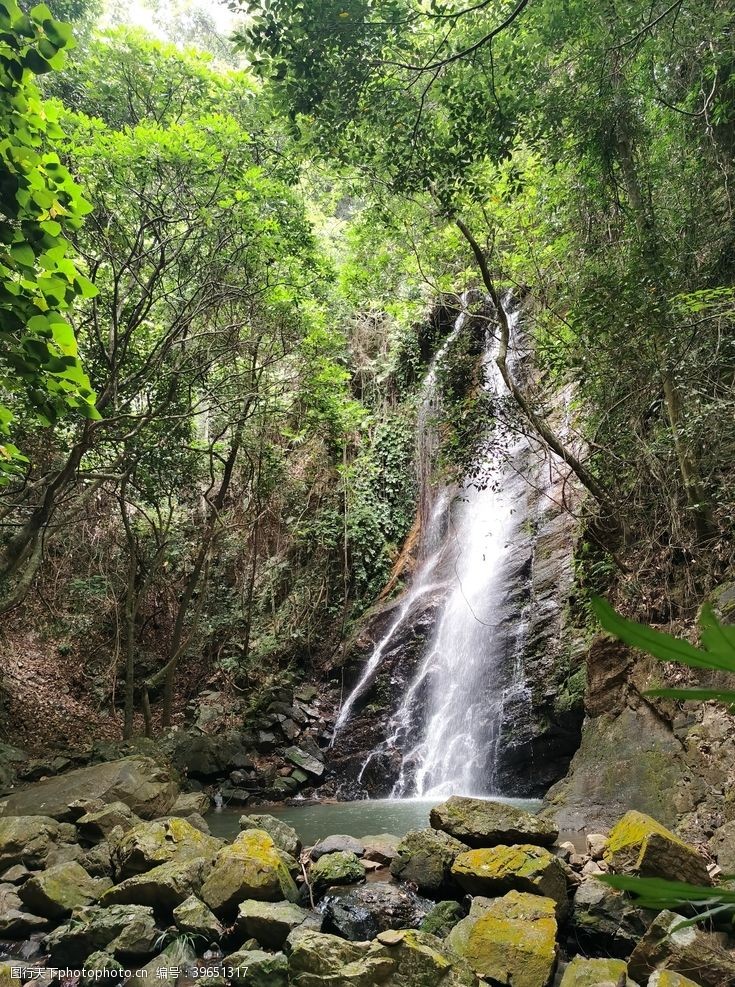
(302, 759)
(337, 844)
(383, 848)
(97, 826)
(336, 869)
(158, 842)
(56, 891)
(271, 922)
(255, 968)
(284, 836)
(700, 954)
(604, 921)
(425, 858)
(143, 785)
(442, 918)
(361, 913)
(487, 823)
(28, 840)
(191, 803)
(162, 888)
(165, 968)
(193, 916)
(126, 931)
(722, 846)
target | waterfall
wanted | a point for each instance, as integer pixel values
(431, 514)
(448, 725)
(472, 666)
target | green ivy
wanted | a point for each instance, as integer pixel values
(39, 202)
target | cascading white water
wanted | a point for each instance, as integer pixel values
(448, 725)
(432, 516)
(472, 665)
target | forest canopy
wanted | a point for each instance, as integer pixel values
(225, 268)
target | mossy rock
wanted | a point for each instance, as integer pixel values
(284, 836)
(486, 823)
(255, 968)
(162, 888)
(160, 842)
(27, 840)
(251, 867)
(424, 858)
(193, 917)
(496, 870)
(125, 931)
(509, 940)
(271, 922)
(583, 972)
(699, 954)
(337, 868)
(422, 960)
(639, 845)
(166, 968)
(55, 892)
(667, 978)
(442, 918)
(317, 959)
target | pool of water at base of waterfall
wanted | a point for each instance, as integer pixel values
(314, 821)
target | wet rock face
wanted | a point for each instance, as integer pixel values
(361, 913)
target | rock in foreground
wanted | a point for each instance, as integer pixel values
(509, 940)
(639, 845)
(512, 868)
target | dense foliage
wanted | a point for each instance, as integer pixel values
(266, 227)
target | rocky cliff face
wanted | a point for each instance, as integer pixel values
(649, 754)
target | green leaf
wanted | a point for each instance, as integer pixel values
(665, 647)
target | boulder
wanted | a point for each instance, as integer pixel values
(486, 823)
(255, 968)
(383, 848)
(55, 892)
(425, 858)
(337, 844)
(162, 888)
(193, 917)
(402, 958)
(15, 923)
(270, 922)
(198, 822)
(251, 867)
(722, 847)
(605, 921)
(97, 826)
(304, 760)
(125, 931)
(111, 970)
(513, 868)
(697, 954)
(284, 836)
(361, 913)
(419, 960)
(582, 972)
(191, 803)
(28, 840)
(166, 968)
(206, 756)
(509, 940)
(161, 841)
(143, 785)
(639, 845)
(336, 868)
(667, 978)
(97, 861)
(442, 918)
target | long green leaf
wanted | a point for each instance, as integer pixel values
(715, 636)
(656, 643)
(662, 893)
(702, 695)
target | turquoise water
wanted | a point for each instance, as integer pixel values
(369, 817)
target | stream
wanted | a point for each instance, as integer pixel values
(369, 817)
